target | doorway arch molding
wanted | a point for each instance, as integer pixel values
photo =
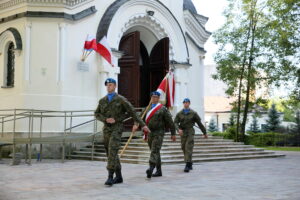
(125, 14)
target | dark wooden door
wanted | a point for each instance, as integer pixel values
(159, 62)
(129, 77)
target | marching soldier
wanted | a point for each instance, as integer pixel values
(157, 119)
(112, 110)
(184, 123)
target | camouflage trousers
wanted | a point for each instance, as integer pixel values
(112, 143)
(187, 146)
(155, 143)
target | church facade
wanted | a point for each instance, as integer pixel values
(41, 44)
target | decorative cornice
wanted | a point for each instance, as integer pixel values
(199, 34)
(72, 17)
(195, 43)
(53, 3)
(202, 19)
(180, 65)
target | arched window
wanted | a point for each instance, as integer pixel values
(10, 65)
(10, 43)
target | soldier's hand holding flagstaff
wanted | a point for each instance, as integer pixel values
(110, 120)
(173, 138)
(180, 132)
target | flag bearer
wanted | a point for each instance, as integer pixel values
(184, 123)
(157, 119)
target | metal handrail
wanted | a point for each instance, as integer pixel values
(14, 115)
(87, 122)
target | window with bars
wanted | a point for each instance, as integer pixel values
(10, 65)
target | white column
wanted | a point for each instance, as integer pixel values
(61, 52)
(181, 78)
(202, 85)
(27, 53)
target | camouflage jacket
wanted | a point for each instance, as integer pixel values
(161, 120)
(187, 121)
(119, 108)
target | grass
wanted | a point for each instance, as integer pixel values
(282, 148)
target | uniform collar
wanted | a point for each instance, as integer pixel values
(186, 111)
(111, 96)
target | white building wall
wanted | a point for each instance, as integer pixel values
(195, 75)
(12, 97)
(46, 74)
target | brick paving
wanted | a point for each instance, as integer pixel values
(259, 179)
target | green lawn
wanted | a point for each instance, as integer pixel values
(282, 148)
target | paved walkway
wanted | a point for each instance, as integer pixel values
(261, 179)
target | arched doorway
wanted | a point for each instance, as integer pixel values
(141, 73)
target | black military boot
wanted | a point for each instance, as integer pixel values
(150, 170)
(158, 171)
(187, 168)
(110, 180)
(191, 166)
(118, 178)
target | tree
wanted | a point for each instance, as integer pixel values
(297, 127)
(231, 120)
(212, 127)
(257, 47)
(273, 120)
(254, 127)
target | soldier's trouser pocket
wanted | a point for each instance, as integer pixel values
(187, 146)
(155, 144)
(113, 162)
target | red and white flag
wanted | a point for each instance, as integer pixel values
(167, 89)
(104, 50)
(90, 43)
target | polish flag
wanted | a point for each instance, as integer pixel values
(90, 43)
(104, 50)
(167, 89)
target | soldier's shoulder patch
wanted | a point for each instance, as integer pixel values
(121, 97)
(102, 99)
(192, 111)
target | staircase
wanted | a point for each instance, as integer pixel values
(205, 150)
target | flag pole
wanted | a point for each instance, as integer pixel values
(133, 132)
(87, 55)
(82, 56)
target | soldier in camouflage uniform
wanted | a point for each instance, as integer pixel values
(112, 110)
(184, 123)
(157, 119)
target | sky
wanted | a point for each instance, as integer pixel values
(212, 9)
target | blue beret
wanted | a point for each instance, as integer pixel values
(186, 100)
(110, 80)
(155, 93)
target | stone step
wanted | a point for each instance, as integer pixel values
(196, 151)
(172, 148)
(230, 158)
(195, 144)
(179, 151)
(180, 161)
(178, 156)
(168, 140)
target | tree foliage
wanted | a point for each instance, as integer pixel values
(273, 120)
(254, 126)
(212, 127)
(259, 46)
